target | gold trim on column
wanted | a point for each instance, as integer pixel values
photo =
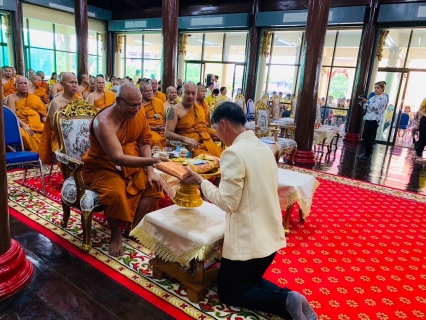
(102, 38)
(119, 43)
(8, 32)
(382, 40)
(183, 41)
(265, 44)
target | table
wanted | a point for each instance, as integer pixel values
(280, 122)
(180, 237)
(295, 187)
(325, 136)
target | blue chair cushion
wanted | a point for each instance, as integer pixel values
(21, 156)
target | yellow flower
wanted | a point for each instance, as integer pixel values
(418, 314)
(282, 281)
(382, 316)
(307, 292)
(359, 290)
(343, 317)
(392, 289)
(363, 316)
(324, 291)
(370, 302)
(342, 290)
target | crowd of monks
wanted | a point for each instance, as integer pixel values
(132, 119)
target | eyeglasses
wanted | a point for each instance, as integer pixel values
(133, 106)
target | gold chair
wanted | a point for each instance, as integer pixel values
(72, 126)
(241, 101)
(263, 129)
(276, 107)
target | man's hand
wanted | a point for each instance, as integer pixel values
(153, 179)
(193, 178)
(364, 100)
(28, 130)
(160, 159)
(158, 128)
(191, 142)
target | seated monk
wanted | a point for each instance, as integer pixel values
(57, 87)
(8, 82)
(186, 122)
(101, 98)
(118, 165)
(201, 96)
(49, 140)
(154, 112)
(44, 84)
(36, 89)
(92, 88)
(31, 113)
(84, 84)
(157, 94)
(171, 98)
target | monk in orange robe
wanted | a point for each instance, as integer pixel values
(44, 84)
(36, 89)
(31, 113)
(155, 115)
(201, 96)
(49, 140)
(157, 94)
(57, 87)
(101, 98)
(171, 98)
(186, 122)
(8, 82)
(118, 165)
(84, 86)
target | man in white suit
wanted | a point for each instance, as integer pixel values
(248, 193)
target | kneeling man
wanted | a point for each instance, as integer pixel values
(118, 165)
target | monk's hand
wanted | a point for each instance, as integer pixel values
(28, 130)
(154, 179)
(193, 178)
(160, 159)
(191, 142)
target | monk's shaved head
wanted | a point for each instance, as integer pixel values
(201, 88)
(189, 85)
(170, 89)
(189, 94)
(21, 79)
(127, 89)
(35, 78)
(69, 82)
(21, 84)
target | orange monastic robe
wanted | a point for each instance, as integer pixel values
(45, 85)
(155, 116)
(42, 94)
(30, 110)
(206, 109)
(161, 96)
(49, 141)
(106, 101)
(9, 88)
(193, 125)
(120, 189)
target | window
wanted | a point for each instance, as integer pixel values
(51, 47)
(4, 36)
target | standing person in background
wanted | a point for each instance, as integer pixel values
(419, 115)
(53, 79)
(179, 94)
(210, 89)
(216, 83)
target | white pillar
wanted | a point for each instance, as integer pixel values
(261, 78)
(182, 67)
(118, 62)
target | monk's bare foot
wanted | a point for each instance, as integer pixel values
(127, 230)
(116, 245)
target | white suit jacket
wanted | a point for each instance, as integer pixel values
(248, 193)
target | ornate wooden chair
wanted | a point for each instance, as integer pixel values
(72, 126)
(276, 107)
(263, 130)
(241, 101)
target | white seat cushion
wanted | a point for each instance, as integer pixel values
(89, 201)
(283, 142)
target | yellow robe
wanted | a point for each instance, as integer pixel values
(154, 112)
(120, 191)
(206, 109)
(42, 94)
(45, 85)
(193, 125)
(30, 110)
(161, 96)
(106, 101)
(9, 88)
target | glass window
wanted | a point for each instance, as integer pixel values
(153, 46)
(65, 38)
(41, 59)
(282, 79)
(213, 45)
(152, 69)
(193, 72)
(235, 47)
(330, 41)
(417, 54)
(93, 43)
(66, 61)
(194, 46)
(347, 47)
(395, 49)
(286, 47)
(40, 34)
(341, 82)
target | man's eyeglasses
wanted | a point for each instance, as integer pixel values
(133, 106)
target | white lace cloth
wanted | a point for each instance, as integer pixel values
(177, 234)
(280, 122)
(296, 187)
(326, 133)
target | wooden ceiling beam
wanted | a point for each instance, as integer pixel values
(155, 12)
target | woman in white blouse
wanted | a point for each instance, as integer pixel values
(375, 106)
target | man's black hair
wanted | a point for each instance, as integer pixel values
(229, 111)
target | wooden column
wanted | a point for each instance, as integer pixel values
(15, 269)
(110, 53)
(253, 54)
(312, 51)
(170, 42)
(361, 78)
(18, 44)
(82, 34)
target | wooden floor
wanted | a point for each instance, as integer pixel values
(65, 287)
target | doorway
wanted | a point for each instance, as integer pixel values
(230, 74)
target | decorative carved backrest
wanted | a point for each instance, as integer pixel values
(241, 101)
(213, 106)
(261, 115)
(265, 99)
(276, 107)
(73, 128)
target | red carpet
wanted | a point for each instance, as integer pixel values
(360, 254)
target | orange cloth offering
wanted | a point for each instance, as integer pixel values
(9, 87)
(106, 101)
(30, 110)
(193, 125)
(120, 189)
(161, 96)
(178, 170)
(154, 111)
(42, 94)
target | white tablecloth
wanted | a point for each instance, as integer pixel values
(326, 133)
(177, 234)
(280, 122)
(296, 187)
